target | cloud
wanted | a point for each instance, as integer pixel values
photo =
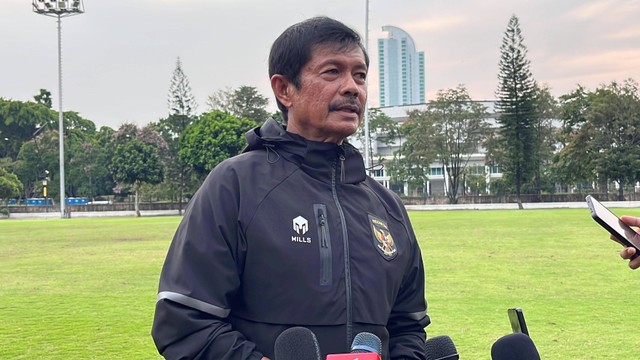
(435, 24)
(599, 10)
(123, 51)
(619, 59)
(590, 69)
(592, 10)
(632, 32)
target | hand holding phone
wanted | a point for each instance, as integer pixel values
(608, 220)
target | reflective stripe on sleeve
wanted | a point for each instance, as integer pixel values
(193, 303)
(417, 315)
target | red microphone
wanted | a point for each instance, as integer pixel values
(365, 346)
(360, 356)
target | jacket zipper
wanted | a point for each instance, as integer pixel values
(345, 242)
(325, 245)
(341, 168)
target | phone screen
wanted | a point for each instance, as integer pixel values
(612, 223)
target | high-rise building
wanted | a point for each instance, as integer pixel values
(400, 69)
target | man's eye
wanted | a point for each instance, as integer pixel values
(361, 76)
(331, 71)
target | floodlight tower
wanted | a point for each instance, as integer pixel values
(59, 9)
(367, 140)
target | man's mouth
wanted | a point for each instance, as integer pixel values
(347, 107)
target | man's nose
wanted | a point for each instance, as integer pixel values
(350, 87)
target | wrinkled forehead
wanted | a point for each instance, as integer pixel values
(331, 48)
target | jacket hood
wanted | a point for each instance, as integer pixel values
(314, 157)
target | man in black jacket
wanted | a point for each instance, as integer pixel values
(292, 232)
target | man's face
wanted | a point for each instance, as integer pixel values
(329, 104)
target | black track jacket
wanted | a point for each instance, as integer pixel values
(290, 233)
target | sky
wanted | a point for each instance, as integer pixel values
(118, 57)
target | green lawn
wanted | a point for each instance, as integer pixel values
(85, 288)
(80, 288)
(577, 295)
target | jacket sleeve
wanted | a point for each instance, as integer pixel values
(409, 315)
(201, 277)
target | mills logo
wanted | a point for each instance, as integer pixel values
(300, 226)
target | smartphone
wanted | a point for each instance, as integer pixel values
(608, 220)
(516, 318)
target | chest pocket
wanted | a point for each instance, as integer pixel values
(324, 244)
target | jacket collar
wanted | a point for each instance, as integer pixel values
(314, 157)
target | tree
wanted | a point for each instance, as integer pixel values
(19, 121)
(44, 98)
(600, 138)
(515, 105)
(182, 107)
(452, 128)
(10, 185)
(35, 156)
(221, 100)
(178, 175)
(103, 183)
(215, 137)
(574, 164)
(382, 129)
(412, 161)
(244, 102)
(88, 172)
(248, 103)
(81, 155)
(545, 136)
(615, 113)
(28, 138)
(181, 101)
(137, 159)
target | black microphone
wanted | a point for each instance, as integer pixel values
(365, 346)
(297, 343)
(516, 346)
(441, 348)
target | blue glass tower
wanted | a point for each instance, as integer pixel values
(400, 69)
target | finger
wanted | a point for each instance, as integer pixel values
(612, 237)
(635, 263)
(627, 253)
(630, 220)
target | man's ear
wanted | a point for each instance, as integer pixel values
(282, 88)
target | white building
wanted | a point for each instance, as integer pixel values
(437, 182)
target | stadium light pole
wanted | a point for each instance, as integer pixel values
(367, 154)
(59, 9)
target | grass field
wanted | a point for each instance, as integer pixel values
(578, 296)
(85, 288)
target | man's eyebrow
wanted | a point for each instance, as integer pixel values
(335, 62)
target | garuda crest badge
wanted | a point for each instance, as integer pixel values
(382, 238)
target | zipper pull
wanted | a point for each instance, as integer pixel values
(323, 228)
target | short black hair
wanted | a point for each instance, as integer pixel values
(292, 49)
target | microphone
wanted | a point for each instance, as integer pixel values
(365, 346)
(516, 346)
(297, 343)
(441, 348)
